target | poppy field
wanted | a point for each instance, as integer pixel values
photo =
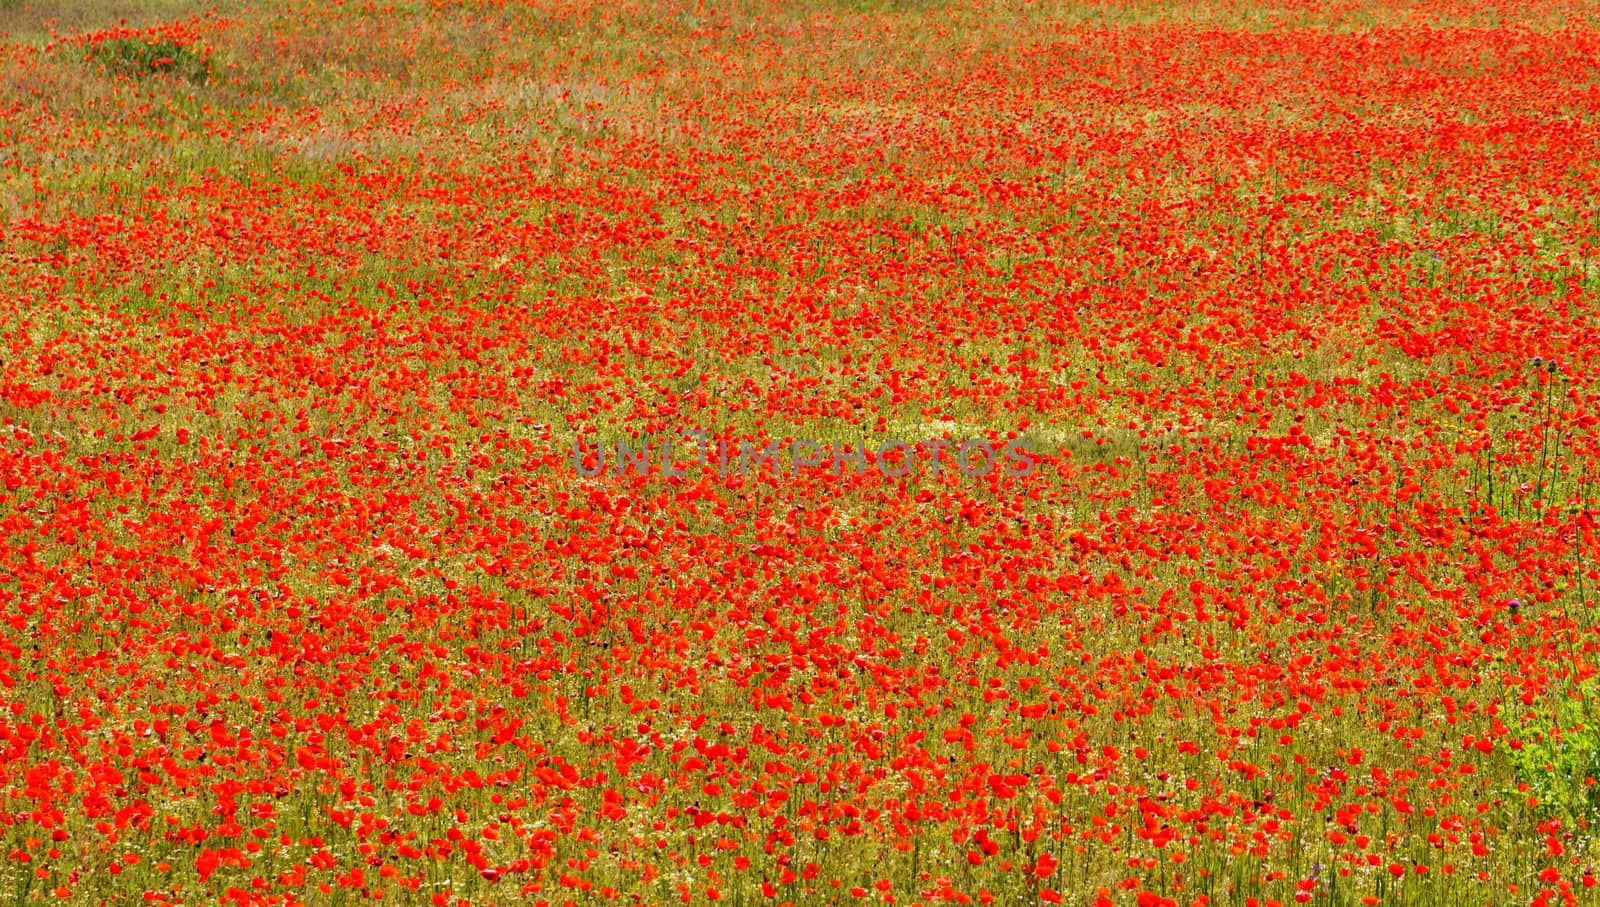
(1273, 320)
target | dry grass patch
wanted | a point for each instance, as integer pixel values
(34, 20)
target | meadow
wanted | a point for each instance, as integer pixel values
(303, 599)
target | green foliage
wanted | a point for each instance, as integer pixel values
(1560, 756)
(143, 56)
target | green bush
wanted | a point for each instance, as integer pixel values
(1560, 757)
(148, 56)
